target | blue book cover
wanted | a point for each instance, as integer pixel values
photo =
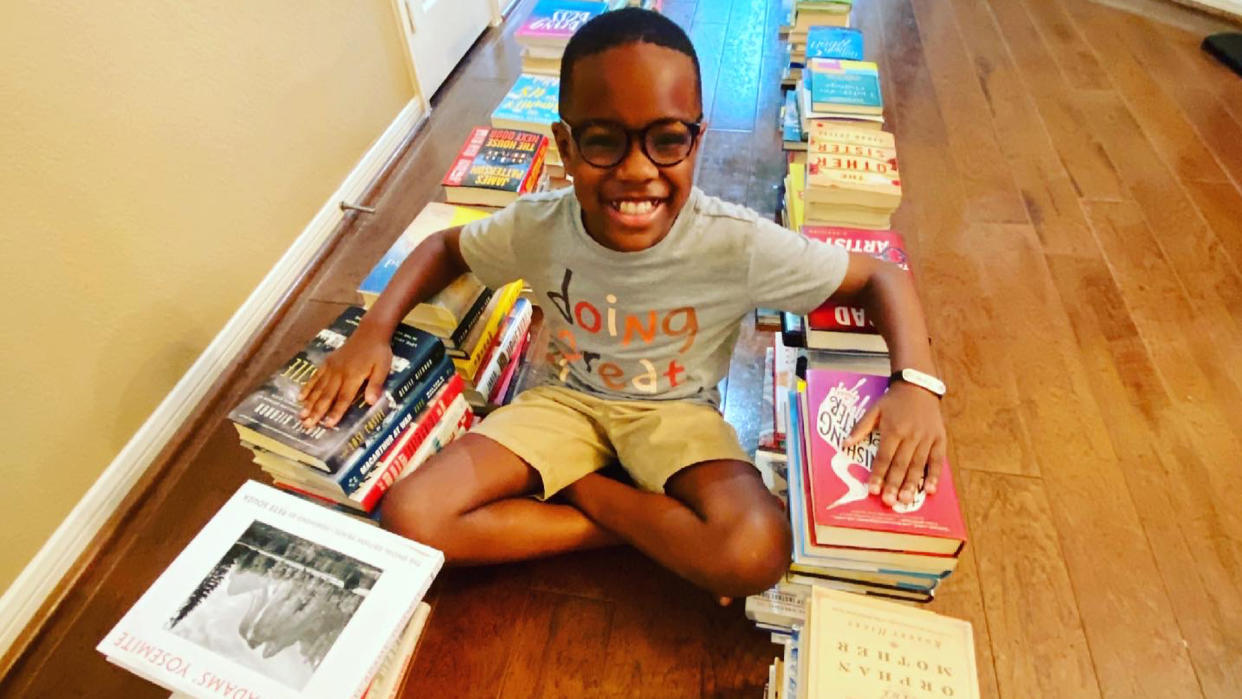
(834, 42)
(791, 123)
(845, 86)
(532, 99)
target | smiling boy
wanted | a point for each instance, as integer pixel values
(644, 280)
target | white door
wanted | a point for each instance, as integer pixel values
(438, 34)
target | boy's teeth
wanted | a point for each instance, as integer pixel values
(636, 208)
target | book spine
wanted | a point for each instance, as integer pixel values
(395, 461)
(458, 338)
(498, 394)
(515, 330)
(469, 366)
(352, 478)
(536, 167)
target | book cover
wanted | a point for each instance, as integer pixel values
(847, 86)
(274, 597)
(501, 159)
(883, 245)
(433, 218)
(860, 648)
(480, 340)
(533, 99)
(842, 510)
(834, 42)
(269, 415)
(556, 20)
(791, 123)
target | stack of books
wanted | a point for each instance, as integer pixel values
(496, 166)
(546, 31)
(532, 105)
(827, 42)
(842, 91)
(843, 645)
(353, 463)
(801, 15)
(277, 597)
(851, 177)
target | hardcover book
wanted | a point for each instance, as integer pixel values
(554, 21)
(834, 42)
(275, 597)
(268, 417)
(842, 510)
(844, 327)
(856, 647)
(844, 86)
(495, 166)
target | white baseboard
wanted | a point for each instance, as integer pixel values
(39, 578)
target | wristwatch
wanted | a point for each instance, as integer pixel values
(918, 378)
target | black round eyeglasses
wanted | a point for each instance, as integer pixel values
(605, 144)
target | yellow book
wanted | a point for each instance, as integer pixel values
(860, 648)
(502, 302)
(795, 188)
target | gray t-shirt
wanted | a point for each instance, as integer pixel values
(659, 323)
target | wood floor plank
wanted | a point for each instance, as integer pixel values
(1039, 647)
(1222, 81)
(1082, 476)
(1067, 47)
(986, 181)
(1172, 135)
(1164, 472)
(1094, 176)
(558, 647)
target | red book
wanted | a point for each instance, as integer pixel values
(842, 510)
(847, 328)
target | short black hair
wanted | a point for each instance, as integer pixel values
(622, 27)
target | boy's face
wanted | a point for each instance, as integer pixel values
(631, 205)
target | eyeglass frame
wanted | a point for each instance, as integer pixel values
(695, 128)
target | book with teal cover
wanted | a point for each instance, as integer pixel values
(834, 42)
(557, 20)
(791, 122)
(532, 99)
(852, 86)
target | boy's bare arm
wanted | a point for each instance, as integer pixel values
(366, 356)
(912, 433)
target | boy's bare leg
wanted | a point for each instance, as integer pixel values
(471, 502)
(719, 526)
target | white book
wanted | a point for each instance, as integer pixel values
(275, 597)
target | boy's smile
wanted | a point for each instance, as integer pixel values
(651, 92)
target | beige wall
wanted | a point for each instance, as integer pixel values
(156, 159)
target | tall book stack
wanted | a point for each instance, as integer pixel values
(546, 31)
(353, 463)
(532, 105)
(851, 177)
(277, 597)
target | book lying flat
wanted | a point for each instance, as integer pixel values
(275, 597)
(496, 166)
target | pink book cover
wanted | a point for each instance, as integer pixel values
(557, 20)
(836, 400)
(883, 245)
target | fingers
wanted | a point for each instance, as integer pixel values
(310, 386)
(323, 399)
(896, 472)
(914, 474)
(864, 427)
(344, 398)
(879, 467)
(375, 383)
(935, 463)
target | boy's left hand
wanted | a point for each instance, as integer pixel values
(911, 436)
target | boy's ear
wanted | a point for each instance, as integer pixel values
(564, 144)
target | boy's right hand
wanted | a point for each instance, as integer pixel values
(364, 358)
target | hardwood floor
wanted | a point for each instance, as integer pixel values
(1073, 207)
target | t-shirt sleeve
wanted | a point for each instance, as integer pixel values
(791, 272)
(488, 246)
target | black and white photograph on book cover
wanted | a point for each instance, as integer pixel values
(275, 603)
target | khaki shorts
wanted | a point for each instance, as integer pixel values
(565, 434)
